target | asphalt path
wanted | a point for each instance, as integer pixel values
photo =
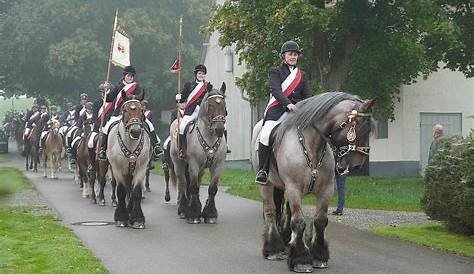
(233, 245)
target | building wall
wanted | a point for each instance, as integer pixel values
(238, 123)
(444, 91)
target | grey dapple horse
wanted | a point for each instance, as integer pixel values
(327, 133)
(129, 153)
(206, 148)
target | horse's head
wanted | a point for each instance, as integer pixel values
(132, 116)
(215, 109)
(350, 134)
(55, 125)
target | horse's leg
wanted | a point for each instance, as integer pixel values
(147, 181)
(182, 194)
(114, 187)
(166, 171)
(209, 212)
(84, 183)
(193, 212)
(319, 247)
(137, 220)
(91, 176)
(273, 246)
(44, 164)
(121, 214)
(299, 257)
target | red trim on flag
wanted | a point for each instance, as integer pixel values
(289, 90)
(196, 96)
(176, 66)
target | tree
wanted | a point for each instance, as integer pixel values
(368, 48)
(59, 48)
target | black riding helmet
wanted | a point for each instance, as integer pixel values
(84, 96)
(290, 46)
(129, 70)
(200, 67)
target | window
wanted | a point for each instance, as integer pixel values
(382, 129)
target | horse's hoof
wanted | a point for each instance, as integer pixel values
(193, 221)
(182, 215)
(45, 176)
(55, 178)
(102, 203)
(114, 203)
(138, 225)
(148, 189)
(303, 268)
(121, 224)
(280, 256)
(167, 197)
(210, 220)
(319, 264)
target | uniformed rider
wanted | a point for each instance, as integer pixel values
(287, 87)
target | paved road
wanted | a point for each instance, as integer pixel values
(169, 245)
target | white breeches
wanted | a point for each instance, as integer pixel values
(188, 118)
(268, 127)
(90, 143)
(150, 125)
(43, 134)
(69, 132)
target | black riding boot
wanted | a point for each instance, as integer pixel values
(73, 156)
(182, 146)
(264, 164)
(157, 151)
(103, 147)
(227, 144)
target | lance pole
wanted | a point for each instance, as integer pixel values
(178, 113)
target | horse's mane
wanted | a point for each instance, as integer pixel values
(312, 110)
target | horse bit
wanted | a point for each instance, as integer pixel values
(340, 151)
(211, 150)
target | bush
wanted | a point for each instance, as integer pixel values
(449, 185)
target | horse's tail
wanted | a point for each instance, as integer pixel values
(279, 199)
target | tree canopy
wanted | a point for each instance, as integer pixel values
(369, 48)
(60, 48)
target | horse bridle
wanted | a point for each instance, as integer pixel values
(132, 121)
(217, 118)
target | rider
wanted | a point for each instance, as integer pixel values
(81, 108)
(32, 117)
(131, 87)
(85, 120)
(96, 117)
(287, 87)
(192, 95)
(69, 115)
(54, 116)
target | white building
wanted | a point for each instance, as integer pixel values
(399, 147)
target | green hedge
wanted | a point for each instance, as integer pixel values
(449, 184)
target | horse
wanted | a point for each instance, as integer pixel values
(129, 152)
(326, 134)
(168, 169)
(82, 163)
(32, 144)
(53, 149)
(206, 148)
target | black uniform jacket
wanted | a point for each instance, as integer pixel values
(187, 89)
(112, 97)
(277, 76)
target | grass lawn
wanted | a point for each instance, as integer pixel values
(386, 193)
(31, 242)
(12, 181)
(434, 236)
(3, 158)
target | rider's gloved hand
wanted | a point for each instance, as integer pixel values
(178, 97)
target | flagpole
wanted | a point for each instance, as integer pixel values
(178, 113)
(102, 115)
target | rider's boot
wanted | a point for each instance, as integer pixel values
(182, 146)
(155, 143)
(73, 155)
(264, 164)
(103, 147)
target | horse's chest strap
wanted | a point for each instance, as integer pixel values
(209, 150)
(309, 163)
(132, 156)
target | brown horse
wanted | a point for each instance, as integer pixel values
(82, 164)
(206, 149)
(53, 149)
(32, 144)
(327, 133)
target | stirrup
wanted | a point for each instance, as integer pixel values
(157, 151)
(102, 156)
(261, 177)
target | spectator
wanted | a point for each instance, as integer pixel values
(341, 194)
(437, 134)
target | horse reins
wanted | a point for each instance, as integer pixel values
(132, 156)
(339, 151)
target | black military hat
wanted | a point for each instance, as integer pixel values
(290, 46)
(129, 70)
(84, 96)
(104, 86)
(200, 67)
(53, 108)
(89, 105)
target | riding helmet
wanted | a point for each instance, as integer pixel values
(104, 86)
(129, 70)
(200, 67)
(89, 105)
(290, 46)
(84, 96)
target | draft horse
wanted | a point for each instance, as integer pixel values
(129, 152)
(53, 149)
(328, 133)
(206, 148)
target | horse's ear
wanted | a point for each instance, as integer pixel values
(367, 105)
(124, 96)
(223, 88)
(209, 87)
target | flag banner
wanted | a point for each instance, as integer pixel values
(121, 50)
(176, 66)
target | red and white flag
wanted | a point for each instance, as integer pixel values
(176, 66)
(121, 50)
